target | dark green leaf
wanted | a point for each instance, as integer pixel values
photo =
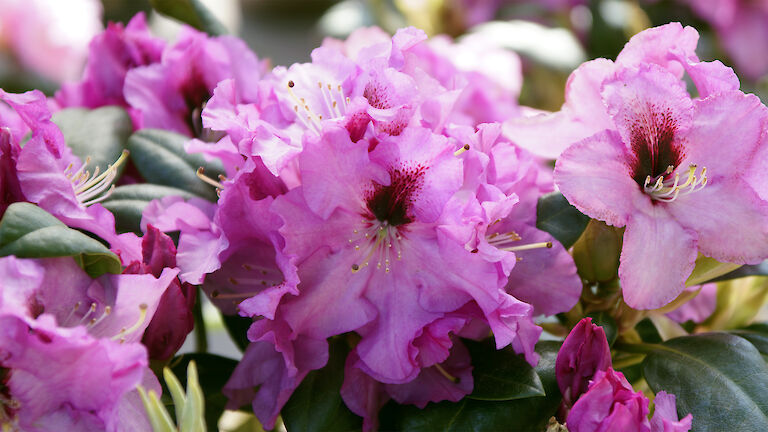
(718, 377)
(757, 334)
(648, 332)
(128, 202)
(555, 215)
(27, 231)
(520, 415)
(501, 374)
(606, 321)
(316, 405)
(213, 372)
(237, 328)
(191, 12)
(160, 157)
(100, 134)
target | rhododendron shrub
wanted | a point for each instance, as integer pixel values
(392, 240)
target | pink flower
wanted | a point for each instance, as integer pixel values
(173, 320)
(665, 415)
(610, 404)
(51, 176)
(698, 308)
(742, 29)
(584, 353)
(670, 169)
(584, 113)
(111, 55)
(48, 36)
(171, 94)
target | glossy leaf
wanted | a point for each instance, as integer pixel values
(555, 215)
(757, 335)
(316, 405)
(160, 157)
(501, 374)
(191, 12)
(520, 415)
(720, 378)
(213, 372)
(27, 231)
(128, 202)
(100, 134)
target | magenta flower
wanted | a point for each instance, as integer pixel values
(64, 378)
(171, 94)
(111, 55)
(610, 404)
(49, 175)
(741, 27)
(374, 256)
(584, 113)
(665, 415)
(173, 319)
(584, 353)
(661, 170)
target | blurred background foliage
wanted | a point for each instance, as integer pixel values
(551, 36)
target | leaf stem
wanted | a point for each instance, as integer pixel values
(639, 348)
(201, 335)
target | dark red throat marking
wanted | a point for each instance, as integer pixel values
(392, 204)
(654, 142)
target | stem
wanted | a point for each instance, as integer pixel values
(639, 348)
(201, 335)
(628, 361)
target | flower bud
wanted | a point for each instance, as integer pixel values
(610, 404)
(584, 353)
(597, 251)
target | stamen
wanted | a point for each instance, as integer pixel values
(461, 150)
(126, 331)
(530, 246)
(445, 373)
(90, 189)
(667, 190)
(377, 239)
(201, 175)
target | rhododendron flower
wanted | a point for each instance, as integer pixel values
(171, 94)
(610, 404)
(698, 308)
(366, 235)
(661, 166)
(584, 113)
(51, 176)
(169, 327)
(111, 55)
(584, 353)
(50, 37)
(742, 29)
(65, 379)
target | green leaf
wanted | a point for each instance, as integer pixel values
(757, 335)
(606, 321)
(100, 134)
(720, 378)
(520, 415)
(501, 374)
(191, 12)
(128, 202)
(27, 231)
(316, 405)
(158, 416)
(213, 372)
(745, 271)
(555, 215)
(160, 157)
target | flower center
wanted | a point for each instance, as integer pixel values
(666, 188)
(377, 242)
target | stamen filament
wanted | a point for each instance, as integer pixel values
(461, 150)
(530, 246)
(200, 174)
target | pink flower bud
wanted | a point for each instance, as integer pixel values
(584, 353)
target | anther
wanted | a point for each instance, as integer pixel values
(530, 246)
(461, 150)
(201, 175)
